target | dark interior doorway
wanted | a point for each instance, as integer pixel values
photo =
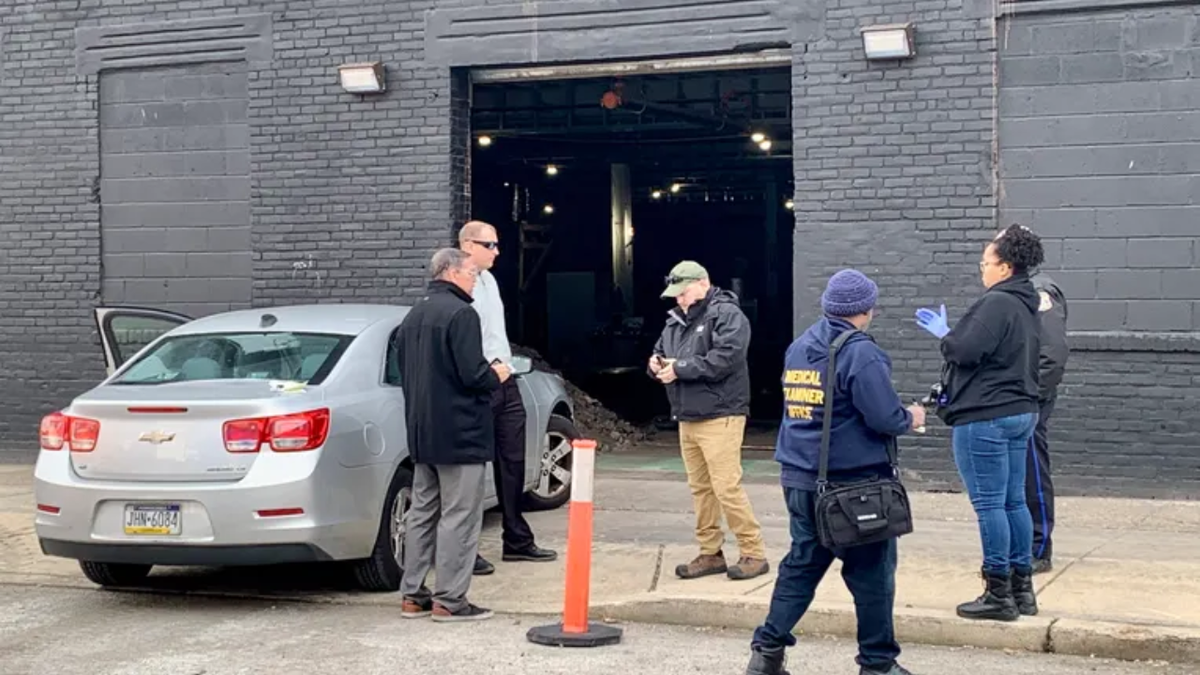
(599, 186)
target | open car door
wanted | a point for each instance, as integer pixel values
(124, 331)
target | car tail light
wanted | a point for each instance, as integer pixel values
(78, 433)
(292, 433)
(285, 433)
(83, 434)
(53, 432)
(244, 435)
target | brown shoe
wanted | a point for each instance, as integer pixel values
(702, 566)
(748, 568)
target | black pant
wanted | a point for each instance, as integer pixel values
(509, 464)
(1039, 485)
(869, 572)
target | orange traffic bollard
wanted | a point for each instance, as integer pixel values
(575, 630)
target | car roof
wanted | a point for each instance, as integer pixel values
(337, 319)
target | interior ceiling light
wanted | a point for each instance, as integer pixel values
(548, 209)
(758, 137)
(765, 144)
(485, 141)
(675, 188)
(657, 194)
(551, 170)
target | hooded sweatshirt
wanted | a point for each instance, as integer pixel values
(991, 355)
(867, 412)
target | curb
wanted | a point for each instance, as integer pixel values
(1072, 637)
(1066, 636)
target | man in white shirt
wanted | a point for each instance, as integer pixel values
(480, 241)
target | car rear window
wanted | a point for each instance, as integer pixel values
(304, 357)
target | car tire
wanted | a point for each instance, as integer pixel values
(559, 428)
(114, 574)
(381, 573)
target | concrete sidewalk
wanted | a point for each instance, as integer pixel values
(1126, 583)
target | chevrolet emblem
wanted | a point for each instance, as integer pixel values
(156, 437)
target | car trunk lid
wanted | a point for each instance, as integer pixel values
(175, 432)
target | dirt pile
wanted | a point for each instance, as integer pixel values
(592, 419)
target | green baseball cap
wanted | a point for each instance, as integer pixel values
(681, 276)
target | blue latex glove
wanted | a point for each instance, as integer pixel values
(933, 322)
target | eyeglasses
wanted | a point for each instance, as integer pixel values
(489, 245)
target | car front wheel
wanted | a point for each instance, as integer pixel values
(553, 488)
(114, 574)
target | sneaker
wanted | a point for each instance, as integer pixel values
(468, 613)
(482, 567)
(1042, 565)
(530, 554)
(703, 566)
(748, 568)
(413, 608)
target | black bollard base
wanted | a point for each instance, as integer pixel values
(597, 635)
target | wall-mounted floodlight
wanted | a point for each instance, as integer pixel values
(363, 78)
(893, 41)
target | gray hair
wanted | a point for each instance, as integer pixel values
(445, 261)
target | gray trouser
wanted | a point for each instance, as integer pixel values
(443, 524)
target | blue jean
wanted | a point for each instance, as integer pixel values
(869, 572)
(991, 461)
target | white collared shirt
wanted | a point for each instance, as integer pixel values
(490, 307)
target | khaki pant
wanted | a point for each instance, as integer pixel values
(712, 456)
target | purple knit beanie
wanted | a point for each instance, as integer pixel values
(849, 293)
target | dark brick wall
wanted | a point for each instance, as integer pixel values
(348, 194)
(894, 175)
(1100, 149)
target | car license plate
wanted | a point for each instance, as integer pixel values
(153, 519)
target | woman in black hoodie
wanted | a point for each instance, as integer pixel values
(990, 398)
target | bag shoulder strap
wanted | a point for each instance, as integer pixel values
(827, 413)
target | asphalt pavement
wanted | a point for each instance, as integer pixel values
(91, 632)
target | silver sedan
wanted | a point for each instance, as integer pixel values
(253, 437)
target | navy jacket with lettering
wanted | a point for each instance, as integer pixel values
(866, 409)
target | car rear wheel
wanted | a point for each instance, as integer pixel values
(383, 570)
(114, 574)
(554, 475)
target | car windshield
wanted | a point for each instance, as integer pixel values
(303, 357)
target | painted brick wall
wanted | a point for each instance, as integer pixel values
(349, 194)
(894, 176)
(1100, 153)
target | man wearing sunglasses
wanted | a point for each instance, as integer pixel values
(701, 359)
(480, 241)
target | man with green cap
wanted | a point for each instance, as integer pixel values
(701, 360)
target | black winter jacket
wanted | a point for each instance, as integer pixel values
(1052, 309)
(709, 344)
(446, 380)
(992, 356)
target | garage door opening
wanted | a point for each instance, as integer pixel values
(599, 185)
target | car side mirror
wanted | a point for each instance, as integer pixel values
(521, 365)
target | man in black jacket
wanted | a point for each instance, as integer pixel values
(447, 386)
(1039, 486)
(701, 358)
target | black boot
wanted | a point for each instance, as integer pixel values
(766, 662)
(996, 603)
(1023, 594)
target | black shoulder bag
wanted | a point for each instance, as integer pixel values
(864, 512)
